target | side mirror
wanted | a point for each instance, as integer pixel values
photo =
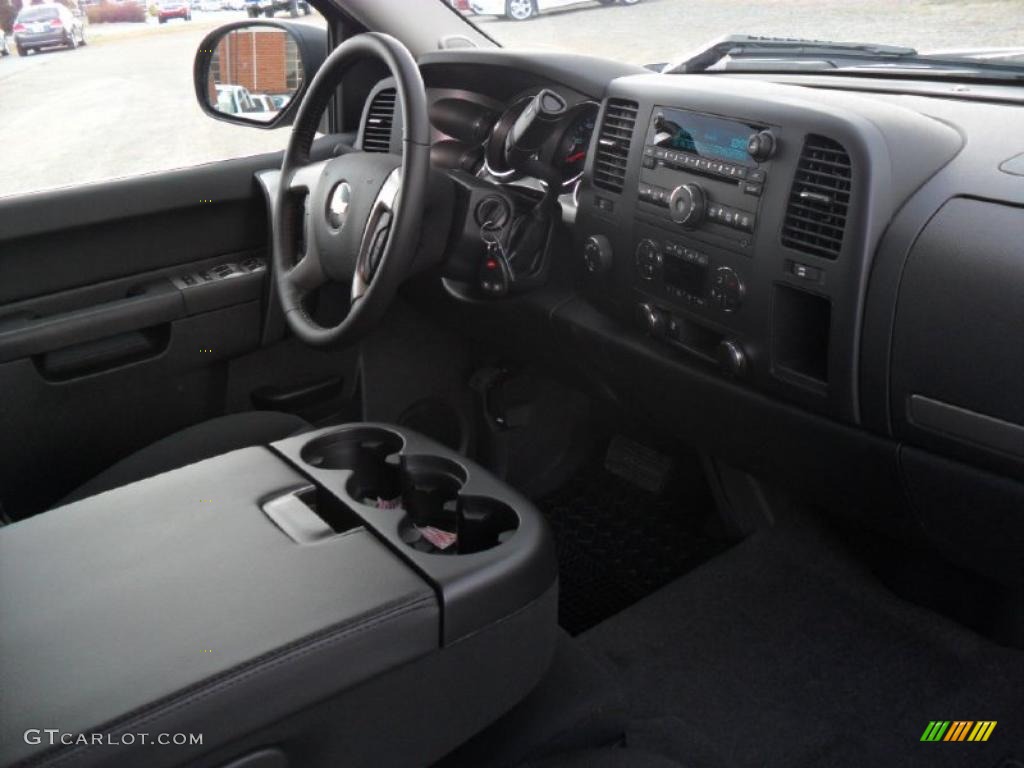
(256, 72)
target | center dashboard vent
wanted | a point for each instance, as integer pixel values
(379, 119)
(819, 200)
(613, 144)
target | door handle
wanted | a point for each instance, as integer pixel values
(156, 303)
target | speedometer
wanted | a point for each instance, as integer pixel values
(571, 153)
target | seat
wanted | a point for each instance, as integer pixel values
(195, 443)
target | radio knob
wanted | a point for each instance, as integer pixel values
(597, 254)
(761, 145)
(687, 205)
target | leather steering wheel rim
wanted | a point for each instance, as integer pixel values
(348, 235)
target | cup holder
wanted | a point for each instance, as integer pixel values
(365, 451)
(438, 520)
(430, 491)
(425, 491)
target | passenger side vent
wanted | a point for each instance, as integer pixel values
(613, 144)
(379, 119)
(819, 200)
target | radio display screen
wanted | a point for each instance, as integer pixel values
(703, 135)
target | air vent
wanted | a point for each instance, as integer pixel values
(819, 200)
(613, 144)
(379, 119)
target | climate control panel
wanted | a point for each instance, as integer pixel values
(687, 276)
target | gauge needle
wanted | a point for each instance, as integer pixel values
(576, 156)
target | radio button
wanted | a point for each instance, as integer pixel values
(751, 188)
(756, 174)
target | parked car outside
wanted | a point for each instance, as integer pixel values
(269, 7)
(521, 10)
(235, 100)
(209, 5)
(45, 26)
(173, 9)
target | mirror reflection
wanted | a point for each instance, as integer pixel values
(254, 73)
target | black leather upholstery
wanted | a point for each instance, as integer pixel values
(201, 441)
(175, 605)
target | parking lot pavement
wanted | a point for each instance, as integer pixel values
(654, 31)
(122, 105)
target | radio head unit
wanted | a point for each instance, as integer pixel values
(705, 136)
(703, 172)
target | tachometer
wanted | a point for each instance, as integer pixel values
(571, 152)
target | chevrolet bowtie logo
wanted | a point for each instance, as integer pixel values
(958, 730)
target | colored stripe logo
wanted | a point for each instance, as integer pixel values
(958, 730)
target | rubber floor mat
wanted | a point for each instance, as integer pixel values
(617, 543)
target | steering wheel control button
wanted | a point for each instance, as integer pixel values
(687, 205)
(649, 259)
(727, 290)
(597, 254)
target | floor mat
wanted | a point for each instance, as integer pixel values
(784, 651)
(617, 544)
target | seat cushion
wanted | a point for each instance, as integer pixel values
(195, 443)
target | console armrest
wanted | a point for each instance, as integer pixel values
(176, 605)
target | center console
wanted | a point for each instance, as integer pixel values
(734, 222)
(360, 591)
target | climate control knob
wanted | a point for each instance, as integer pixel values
(727, 290)
(687, 205)
(648, 258)
(732, 359)
(654, 320)
(597, 254)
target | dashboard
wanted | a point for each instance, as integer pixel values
(810, 276)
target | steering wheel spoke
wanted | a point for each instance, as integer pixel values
(308, 274)
(377, 234)
(361, 212)
(304, 178)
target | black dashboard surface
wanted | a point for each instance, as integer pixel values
(828, 331)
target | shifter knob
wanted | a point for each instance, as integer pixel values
(687, 204)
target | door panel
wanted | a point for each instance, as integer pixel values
(115, 329)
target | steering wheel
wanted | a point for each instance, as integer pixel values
(359, 214)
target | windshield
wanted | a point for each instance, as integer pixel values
(38, 14)
(663, 32)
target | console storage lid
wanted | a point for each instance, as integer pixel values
(176, 605)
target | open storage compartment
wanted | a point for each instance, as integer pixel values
(801, 326)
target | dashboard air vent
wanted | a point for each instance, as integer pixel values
(819, 200)
(613, 144)
(379, 119)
